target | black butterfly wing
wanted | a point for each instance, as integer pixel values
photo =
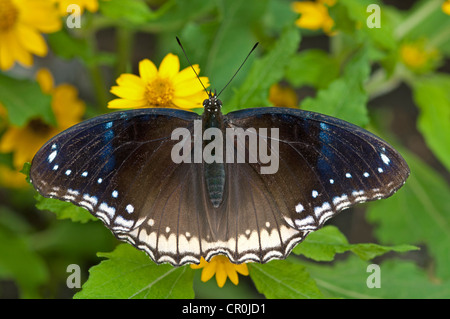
(325, 166)
(119, 167)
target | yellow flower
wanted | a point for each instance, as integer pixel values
(446, 7)
(25, 141)
(314, 15)
(166, 87)
(283, 96)
(90, 5)
(417, 57)
(21, 25)
(11, 178)
(222, 268)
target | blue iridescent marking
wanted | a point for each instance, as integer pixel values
(107, 154)
(326, 152)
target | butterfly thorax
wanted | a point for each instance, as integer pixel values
(214, 172)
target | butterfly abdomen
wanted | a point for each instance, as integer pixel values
(215, 182)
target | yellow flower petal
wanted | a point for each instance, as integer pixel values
(169, 66)
(92, 5)
(329, 3)
(186, 74)
(41, 15)
(64, 95)
(188, 87)
(147, 70)
(208, 271)
(31, 40)
(221, 274)
(9, 139)
(202, 264)
(11, 178)
(18, 52)
(242, 269)
(126, 104)
(311, 15)
(184, 104)
(129, 92)
(446, 7)
(130, 80)
(6, 57)
(231, 272)
(283, 96)
(45, 80)
(314, 15)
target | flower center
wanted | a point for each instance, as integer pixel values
(159, 92)
(8, 15)
(38, 127)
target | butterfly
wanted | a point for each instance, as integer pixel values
(121, 167)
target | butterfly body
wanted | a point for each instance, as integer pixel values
(120, 167)
(215, 175)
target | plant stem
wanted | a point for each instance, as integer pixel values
(125, 37)
(99, 85)
(416, 18)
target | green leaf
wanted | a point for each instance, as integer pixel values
(130, 273)
(24, 101)
(266, 71)
(173, 15)
(136, 12)
(220, 46)
(20, 263)
(279, 15)
(345, 97)
(398, 279)
(432, 96)
(418, 214)
(382, 37)
(64, 210)
(282, 279)
(69, 47)
(325, 243)
(75, 240)
(312, 67)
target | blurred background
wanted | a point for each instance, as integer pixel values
(385, 68)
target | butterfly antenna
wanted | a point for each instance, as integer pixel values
(253, 49)
(198, 77)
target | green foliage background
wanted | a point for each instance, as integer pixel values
(345, 75)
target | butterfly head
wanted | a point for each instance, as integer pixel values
(212, 104)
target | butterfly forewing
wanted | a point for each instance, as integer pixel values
(325, 164)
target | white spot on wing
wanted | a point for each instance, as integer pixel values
(107, 209)
(299, 208)
(129, 208)
(52, 156)
(385, 159)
